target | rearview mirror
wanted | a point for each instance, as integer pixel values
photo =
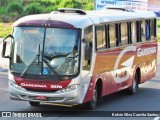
(4, 50)
(5, 45)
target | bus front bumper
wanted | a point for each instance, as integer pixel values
(70, 97)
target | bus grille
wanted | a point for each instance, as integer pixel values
(33, 90)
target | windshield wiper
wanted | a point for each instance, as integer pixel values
(32, 61)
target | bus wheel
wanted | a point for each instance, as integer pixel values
(91, 104)
(133, 89)
(34, 103)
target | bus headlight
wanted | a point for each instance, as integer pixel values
(10, 77)
(69, 88)
(12, 83)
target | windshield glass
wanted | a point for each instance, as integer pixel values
(45, 51)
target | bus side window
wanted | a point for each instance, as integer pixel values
(112, 36)
(143, 31)
(124, 33)
(152, 29)
(147, 30)
(100, 37)
(134, 32)
(87, 56)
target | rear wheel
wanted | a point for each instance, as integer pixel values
(91, 104)
(133, 89)
(34, 103)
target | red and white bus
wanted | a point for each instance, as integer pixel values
(72, 57)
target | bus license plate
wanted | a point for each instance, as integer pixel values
(40, 98)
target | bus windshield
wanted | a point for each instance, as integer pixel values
(45, 51)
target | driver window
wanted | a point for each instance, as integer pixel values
(88, 37)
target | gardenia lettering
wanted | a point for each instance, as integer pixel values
(33, 85)
(146, 51)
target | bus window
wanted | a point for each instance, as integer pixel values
(88, 37)
(143, 31)
(124, 34)
(100, 34)
(147, 30)
(152, 29)
(112, 35)
(134, 32)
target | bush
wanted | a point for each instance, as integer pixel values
(69, 4)
(2, 10)
(50, 9)
(15, 8)
(56, 2)
(88, 7)
(5, 18)
(34, 8)
(158, 23)
(45, 3)
(3, 2)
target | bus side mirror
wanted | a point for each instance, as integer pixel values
(4, 46)
(4, 50)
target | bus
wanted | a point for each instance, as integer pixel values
(74, 57)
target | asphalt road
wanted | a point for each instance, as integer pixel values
(146, 99)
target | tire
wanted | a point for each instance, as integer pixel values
(34, 103)
(92, 104)
(133, 89)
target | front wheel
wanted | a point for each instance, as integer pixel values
(34, 103)
(133, 89)
(91, 104)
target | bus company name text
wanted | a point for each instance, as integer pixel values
(146, 51)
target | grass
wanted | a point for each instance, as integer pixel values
(158, 23)
(159, 35)
(5, 29)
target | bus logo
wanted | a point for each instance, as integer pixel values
(33, 85)
(146, 51)
(127, 63)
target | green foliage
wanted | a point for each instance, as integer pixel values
(88, 7)
(3, 2)
(158, 23)
(5, 19)
(159, 34)
(2, 10)
(34, 8)
(56, 2)
(69, 4)
(13, 11)
(45, 3)
(50, 9)
(15, 7)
